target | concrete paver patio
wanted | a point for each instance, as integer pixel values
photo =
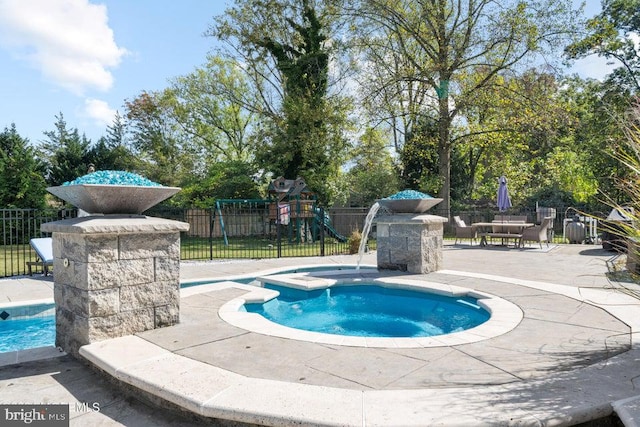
(571, 356)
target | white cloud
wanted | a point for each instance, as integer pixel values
(98, 111)
(594, 67)
(69, 41)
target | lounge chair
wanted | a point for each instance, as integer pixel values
(537, 233)
(43, 246)
(464, 231)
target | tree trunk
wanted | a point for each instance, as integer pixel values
(444, 154)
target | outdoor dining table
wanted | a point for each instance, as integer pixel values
(513, 230)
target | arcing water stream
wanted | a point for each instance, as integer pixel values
(365, 231)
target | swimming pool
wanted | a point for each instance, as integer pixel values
(25, 333)
(31, 326)
(27, 326)
(368, 310)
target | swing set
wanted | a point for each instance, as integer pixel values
(290, 210)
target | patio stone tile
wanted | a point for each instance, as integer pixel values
(274, 358)
(374, 368)
(28, 355)
(212, 300)
(456, 407)
(183, 381)
(538, 348)
(424, 354)
(198, 314)
(66, 380)
(199, 323)
(455, 369)
(556, 308)
(187, 335)
(553, 398)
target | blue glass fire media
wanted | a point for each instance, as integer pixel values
(112, 177)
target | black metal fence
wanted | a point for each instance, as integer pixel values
(245, 229)
(259, 229)
(18, 227)
(230, 230)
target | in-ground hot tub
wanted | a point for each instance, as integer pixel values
(370, 310)
(379, 311)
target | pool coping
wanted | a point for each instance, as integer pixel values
(504, 315)
(210, 391)
(30, 355)
(13, 304)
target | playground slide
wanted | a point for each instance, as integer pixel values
(333, 233)
(326, 223)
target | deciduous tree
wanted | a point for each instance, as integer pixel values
(165, 153)
(286, 47)
(445, 40)
(212, 109)
(373, 176)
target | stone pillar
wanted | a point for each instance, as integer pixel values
(410, 242)
(114, 275)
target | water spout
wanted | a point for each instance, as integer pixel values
(365, 231)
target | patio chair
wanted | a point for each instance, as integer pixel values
(43, 246)
(464, 231)
(537, 233)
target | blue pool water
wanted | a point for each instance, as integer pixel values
(21, 334)
(371, 311)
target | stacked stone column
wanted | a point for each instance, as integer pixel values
(114, 276)
(410, 242)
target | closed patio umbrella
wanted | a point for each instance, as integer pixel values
(504, 202)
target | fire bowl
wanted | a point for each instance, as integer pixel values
(409, 205)
(113, 199)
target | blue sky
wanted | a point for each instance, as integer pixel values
(85, 58)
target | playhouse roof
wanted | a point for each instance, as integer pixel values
(289, 187)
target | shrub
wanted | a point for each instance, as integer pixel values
(354, 242)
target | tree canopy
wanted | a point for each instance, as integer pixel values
(66, 153)
(443, 42)
(284, 46)
(614, 34)
(22, 183)
(362, 98)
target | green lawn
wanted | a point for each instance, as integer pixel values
(194, 248)
(13, 258)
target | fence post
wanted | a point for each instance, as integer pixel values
(278, 231)
(212, 219)
(321, 225)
